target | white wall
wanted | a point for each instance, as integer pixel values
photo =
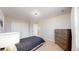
(48, 26)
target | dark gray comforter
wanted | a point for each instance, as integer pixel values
(27, 44)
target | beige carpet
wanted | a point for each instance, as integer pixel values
(49, 46)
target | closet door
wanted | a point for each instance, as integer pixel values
(21, 27)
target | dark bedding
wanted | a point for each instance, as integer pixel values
(27, 44)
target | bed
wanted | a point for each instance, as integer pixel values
(30, 43)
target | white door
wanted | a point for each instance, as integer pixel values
(35, 29)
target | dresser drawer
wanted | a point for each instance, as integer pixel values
(65, 37)
(62, 41)
(62, 32)
(64, 46)
(62, 36)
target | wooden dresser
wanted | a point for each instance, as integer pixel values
(63, 38)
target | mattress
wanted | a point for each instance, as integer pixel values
(27, 44)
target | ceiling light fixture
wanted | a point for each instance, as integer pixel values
(35, 13)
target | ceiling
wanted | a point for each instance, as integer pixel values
(26, 13)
